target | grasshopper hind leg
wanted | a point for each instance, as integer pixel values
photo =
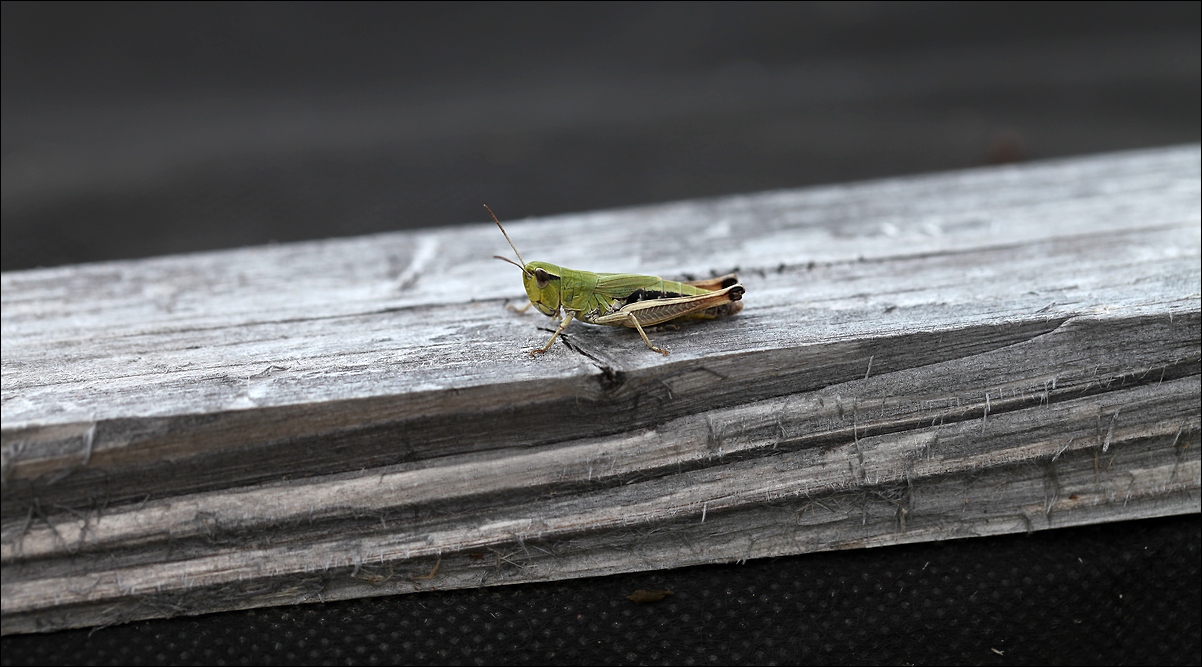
(630, 317)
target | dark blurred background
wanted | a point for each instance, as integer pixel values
(132, 130)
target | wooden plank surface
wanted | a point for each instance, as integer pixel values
(960, 354)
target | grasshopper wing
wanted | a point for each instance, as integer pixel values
(622, 285)
(719, 303)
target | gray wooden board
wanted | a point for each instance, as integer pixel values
(922, 358)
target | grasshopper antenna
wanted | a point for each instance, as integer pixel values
(506, 259)
(521, 266)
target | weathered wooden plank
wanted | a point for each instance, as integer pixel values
(923, 358)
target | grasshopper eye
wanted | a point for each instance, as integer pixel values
(542, 278)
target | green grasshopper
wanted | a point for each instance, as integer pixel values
(621, 299)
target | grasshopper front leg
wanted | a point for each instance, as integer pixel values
(562, 325)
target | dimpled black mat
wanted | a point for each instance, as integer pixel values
(1122, 593)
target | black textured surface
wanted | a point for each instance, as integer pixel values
(1125, 593)
(132, 130)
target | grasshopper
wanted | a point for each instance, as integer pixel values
(620, 299)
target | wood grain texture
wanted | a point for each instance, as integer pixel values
(981, 352)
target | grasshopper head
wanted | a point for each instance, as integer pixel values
(540, 278)
(542, 286)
